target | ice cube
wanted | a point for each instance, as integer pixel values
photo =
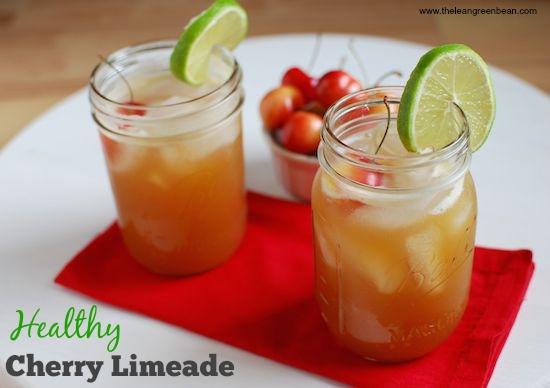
(331, 188)
(138, 131)
(159, 180)
(391, 215)
(444, 200)
(393, 146)
(458, 220)
(385, 271)
(364, 325)
(440, 169)
(189, 151)
(122, 157)
(335, 189)
(425, 256)
(417, 178)
(174, 156)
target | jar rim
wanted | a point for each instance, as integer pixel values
(129, 51)
(360, 157)
(105, 108)
(334, 153)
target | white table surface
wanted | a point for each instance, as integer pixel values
(55, 196)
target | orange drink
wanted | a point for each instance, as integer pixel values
(394, 232)
(174, 155)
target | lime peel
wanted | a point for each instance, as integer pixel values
(444, 76)
(224, 23)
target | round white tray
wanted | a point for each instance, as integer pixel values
(55, 196)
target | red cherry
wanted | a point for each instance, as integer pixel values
(302, 81)
(315, 107)
(279, 104)
(334, 85)
(371, 178)
(369, 109)
(302, 132)
(358, 111)
(381, 107)
(131, 111)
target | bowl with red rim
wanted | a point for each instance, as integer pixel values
(295, 171)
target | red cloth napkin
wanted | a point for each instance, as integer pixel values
(261, 300)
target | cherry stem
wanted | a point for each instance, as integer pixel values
(387, 124)
(386, 75)
(315, 53)
(355, 54)
(119, 73)
(343, 62)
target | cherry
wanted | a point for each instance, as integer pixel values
(334, 85)
(315, 107)
(358, 111)
(365, 110)
(370, 178)
(302, 132)
(381, 108)
(302, 81)
(373, 179)
(279, 104)
(131, 111)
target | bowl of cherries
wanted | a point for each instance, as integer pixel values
(292, 116)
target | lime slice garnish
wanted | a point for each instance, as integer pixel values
(446, 75)
(224, 23)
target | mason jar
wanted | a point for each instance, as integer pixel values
(174, 156)
(394, 230)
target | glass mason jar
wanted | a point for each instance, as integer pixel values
(174, 155)
(394, 231)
